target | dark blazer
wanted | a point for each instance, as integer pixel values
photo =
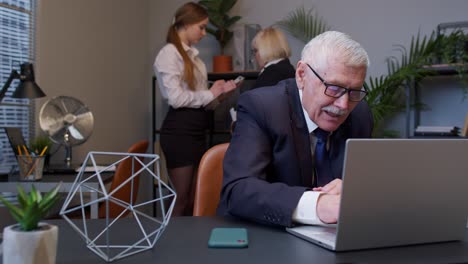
(268, 165)
(275, 73)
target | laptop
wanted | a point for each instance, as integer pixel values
(16, 139)
(398, 192)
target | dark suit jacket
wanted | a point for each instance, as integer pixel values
(268, 165)
(275, 73)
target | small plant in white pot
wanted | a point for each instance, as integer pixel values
(30, 241)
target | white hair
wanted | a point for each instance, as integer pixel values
(329, 43)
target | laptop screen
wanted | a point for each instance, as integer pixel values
(15, 136)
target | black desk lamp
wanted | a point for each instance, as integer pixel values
(27, 87)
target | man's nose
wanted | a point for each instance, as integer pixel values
(342, 101)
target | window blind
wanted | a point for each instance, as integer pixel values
(17, 28)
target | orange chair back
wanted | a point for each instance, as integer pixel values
(122, 173)
(209, 181)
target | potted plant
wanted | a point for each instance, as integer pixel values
(220, 22)
(30, 241)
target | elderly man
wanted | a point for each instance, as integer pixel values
(286, 153)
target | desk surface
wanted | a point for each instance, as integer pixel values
(185, 241)
(48, 182)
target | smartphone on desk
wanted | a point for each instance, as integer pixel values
(228, 237)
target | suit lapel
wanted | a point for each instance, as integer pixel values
(300, 134)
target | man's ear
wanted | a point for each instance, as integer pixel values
(300, 74)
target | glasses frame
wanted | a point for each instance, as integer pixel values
(343, 89)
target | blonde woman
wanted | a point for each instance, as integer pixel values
(272, 54)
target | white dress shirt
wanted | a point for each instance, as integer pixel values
(306, 210)
(169, 69)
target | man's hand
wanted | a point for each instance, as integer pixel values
(328, 208)
(328, 204)
(333, 187)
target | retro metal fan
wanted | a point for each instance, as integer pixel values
(67, 121)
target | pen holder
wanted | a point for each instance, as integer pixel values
(30, 167)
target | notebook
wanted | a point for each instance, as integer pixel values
(398, 192)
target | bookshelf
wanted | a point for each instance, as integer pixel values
(413, 94)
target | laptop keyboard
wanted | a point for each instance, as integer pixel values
(327, 235)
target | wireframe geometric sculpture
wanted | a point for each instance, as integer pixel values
(146, 229)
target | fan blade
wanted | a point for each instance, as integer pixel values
(58, 110)
(58, 135)
(51, 126)
(84, 124)
(81, 109)
(75, 133)
(86, 116)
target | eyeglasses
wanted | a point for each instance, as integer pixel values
(337, 91)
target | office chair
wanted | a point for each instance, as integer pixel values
(209, 181)
(122, 172)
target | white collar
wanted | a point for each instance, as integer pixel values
(270, 63)
(310, 124)
(191, 51)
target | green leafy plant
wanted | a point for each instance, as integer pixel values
(32, 207)
(220, 21)
(303, 24)
(453, 50)
(40, 143)
(387, 93)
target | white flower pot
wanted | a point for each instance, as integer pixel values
(32, 247)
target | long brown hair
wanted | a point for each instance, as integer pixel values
(188, 14)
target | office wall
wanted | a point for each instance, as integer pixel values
(97, 51)
(102, 52)
(377, 25)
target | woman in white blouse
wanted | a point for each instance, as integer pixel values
(182, 78)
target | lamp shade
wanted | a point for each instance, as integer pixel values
(27, 88)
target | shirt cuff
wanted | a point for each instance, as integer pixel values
(208, 98)
(306, 210)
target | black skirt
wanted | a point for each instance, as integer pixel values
(183, 138)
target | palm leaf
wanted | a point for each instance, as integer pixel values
(303, 24)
